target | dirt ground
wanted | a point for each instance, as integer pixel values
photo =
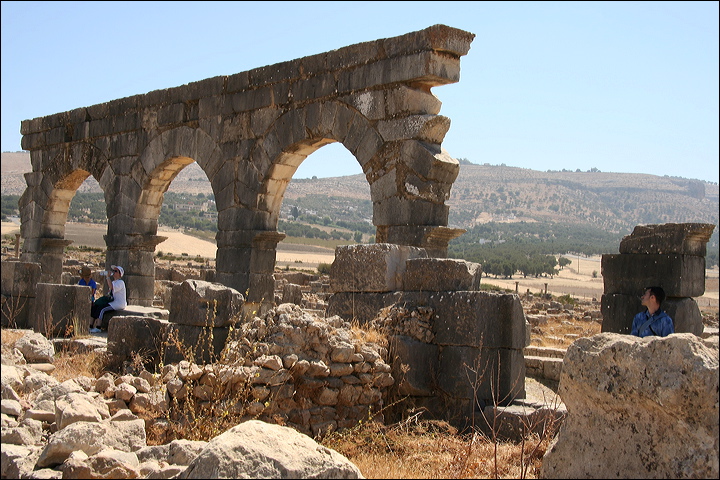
(581, 279)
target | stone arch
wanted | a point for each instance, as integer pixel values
(300, 132)
(135, 206)
(45, 203)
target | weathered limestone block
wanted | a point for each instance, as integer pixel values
(668, 238)
(678, 275)
(637, 408)
(441, 275)
(19, 278)
(256, 449)
(415, 365)
(474, 319)
(128, 335)
(619, 310)
(17, 292)
(134, 311)
(199, 303)
(61, 310)
(375, 267)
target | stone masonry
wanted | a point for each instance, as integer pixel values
(454, 349)
(668, 255)
(249, 132)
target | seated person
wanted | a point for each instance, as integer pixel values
(653, 321)
(116, 299)
(86, 279)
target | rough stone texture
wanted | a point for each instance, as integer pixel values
(199, 344)
(360, 307)
(292, 294)
(36, 348)
(61, 310)
(260, 450)
(377, 268)
(17, 290)
(637, 408)
(441, 275)
(129, 335)
(668, 238)
(135, 311)
(205, 304)
(92, 437)
(249, 132)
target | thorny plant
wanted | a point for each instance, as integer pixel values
(540, 426)
(12, 308)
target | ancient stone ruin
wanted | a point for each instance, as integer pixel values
(454, 349)
(249, 132)
(668, 255)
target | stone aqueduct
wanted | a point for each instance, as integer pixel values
(249, 132)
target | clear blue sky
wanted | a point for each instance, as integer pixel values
(618, 86)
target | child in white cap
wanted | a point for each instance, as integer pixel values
(116, 299)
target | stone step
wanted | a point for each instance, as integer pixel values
(544, 367)
(544, 351)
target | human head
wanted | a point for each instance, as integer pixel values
(656, 292)
(85, 271)
(118, 268)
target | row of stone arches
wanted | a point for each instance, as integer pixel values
(249, 150)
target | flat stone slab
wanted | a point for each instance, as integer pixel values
(81, 345)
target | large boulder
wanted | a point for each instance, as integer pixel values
(637, 408)
(205, 304)
(256, 449)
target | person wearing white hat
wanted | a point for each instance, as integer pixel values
(116, 299)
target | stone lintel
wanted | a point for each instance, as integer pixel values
(679, 238)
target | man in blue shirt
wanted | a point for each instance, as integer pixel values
(652, 321)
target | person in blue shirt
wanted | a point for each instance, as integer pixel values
(653, 321)
(86, 279)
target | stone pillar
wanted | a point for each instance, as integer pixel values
(50, 255)
(17, 245)
(135, 252)
(246, 261)
(669, 255)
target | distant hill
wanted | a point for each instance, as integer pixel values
(614, 202)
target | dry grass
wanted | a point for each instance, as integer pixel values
(429, 449)
(70, 364)
(560, 333)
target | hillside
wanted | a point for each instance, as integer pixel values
(613, 202)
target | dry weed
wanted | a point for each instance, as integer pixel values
(71, 364)
(430, 449)
(9, 337)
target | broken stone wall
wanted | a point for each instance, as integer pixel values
(454, 349)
